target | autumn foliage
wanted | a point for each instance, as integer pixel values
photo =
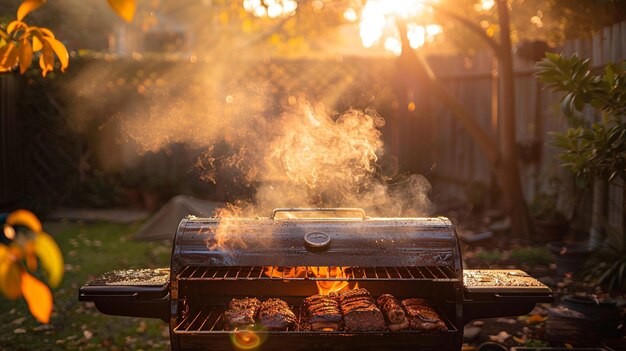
(21, 42)
(27, 251)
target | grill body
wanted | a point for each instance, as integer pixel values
(215, 260)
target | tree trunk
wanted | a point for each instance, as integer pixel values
(513, 193)
(598, 213)
(503, 160)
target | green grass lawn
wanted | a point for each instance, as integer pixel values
(89, 250)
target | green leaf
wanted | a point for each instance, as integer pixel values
(581, 180)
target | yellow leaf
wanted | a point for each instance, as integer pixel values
(16, 25)
(60, 51)
(24, 218)
(38, 297)
(51, 258)
(27, 7)
(9, 274)
(46, 60)
(37, 45)
(26, 55)
(46, 32)
(8, 59)
(124, 8)
(30, 256)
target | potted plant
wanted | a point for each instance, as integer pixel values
(550, 223)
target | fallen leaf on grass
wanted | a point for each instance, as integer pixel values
(536, 318)
(506, 321)
(500, 337)
(521, 340)
(19, 321)
(142, 327)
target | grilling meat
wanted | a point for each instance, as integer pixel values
(275, 314)
(323, 312)
(241, 312)
(393, 312)
(422, 316)
(360, 312)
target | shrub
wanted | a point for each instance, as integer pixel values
(531, 256)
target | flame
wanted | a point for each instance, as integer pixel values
(324, 287)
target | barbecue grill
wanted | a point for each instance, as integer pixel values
(217, 259)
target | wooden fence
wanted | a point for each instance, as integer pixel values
(537, 113)
(9, 151)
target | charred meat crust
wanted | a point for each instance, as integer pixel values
(399, 326)
(275, 314)
(421, 316)
(391, 308)
(360, 312)
(323, 312)
(311, 300)
(241, 312)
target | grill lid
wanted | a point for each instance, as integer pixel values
(316, 237)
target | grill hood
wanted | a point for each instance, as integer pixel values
(317, 242)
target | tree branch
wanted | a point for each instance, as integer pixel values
(277, 27)
(470, 25)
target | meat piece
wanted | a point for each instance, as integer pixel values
(364, 319)
(322, 304)
(313, 299)
(399, 326)
(275, 314)
(241, 312)
(360, 312)
(354, 304)
(422, 316)
(323, 312)
(391, 308)
(349, 294)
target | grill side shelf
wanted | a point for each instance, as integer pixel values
(498, 293)
(131, 293)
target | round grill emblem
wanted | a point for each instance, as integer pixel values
(317, 240)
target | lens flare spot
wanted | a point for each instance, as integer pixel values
(9, 232)
(246, 340)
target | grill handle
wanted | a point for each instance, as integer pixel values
(318, 213)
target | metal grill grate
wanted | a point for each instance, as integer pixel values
(209, 320)
(431, 273)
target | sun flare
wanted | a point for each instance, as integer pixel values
(378, 24)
